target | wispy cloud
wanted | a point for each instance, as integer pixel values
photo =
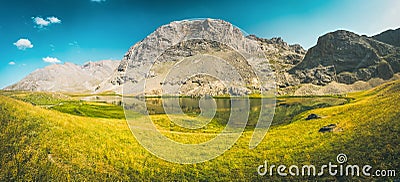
(41, 22)
(11, 63)
(51, 60)
(23, 44)
(98, 1)
(74, 44)
(53, 19)
(52, 47)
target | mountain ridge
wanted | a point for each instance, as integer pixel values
(346, 57)
(340, 58)
(67, 77)
(390, 36)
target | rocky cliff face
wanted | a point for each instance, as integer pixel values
(282, 58)
(67, 77)
(346, 57)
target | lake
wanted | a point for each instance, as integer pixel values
(284, 108)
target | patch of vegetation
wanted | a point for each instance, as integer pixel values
(91, 109)
(70, 105)
(40, 98)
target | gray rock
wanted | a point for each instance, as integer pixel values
(346, 77)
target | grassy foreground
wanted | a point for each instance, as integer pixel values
(42, 144)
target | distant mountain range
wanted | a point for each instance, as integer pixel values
(341, 61)
(67, 77)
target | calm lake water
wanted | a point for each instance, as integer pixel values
(284, 108)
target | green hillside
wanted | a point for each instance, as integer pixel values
(46, 143)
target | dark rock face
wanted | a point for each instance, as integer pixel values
(328, 128)
(391, 37)
(384, 70)
(320, 75)
(346, 57)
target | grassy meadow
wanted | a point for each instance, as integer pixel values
(57, 137)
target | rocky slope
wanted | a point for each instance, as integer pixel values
(346, 57)
(67, 77)
(391, 37)
(282, 58)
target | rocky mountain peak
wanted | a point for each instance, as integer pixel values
(176, 37)
(338, 35)
(277, 43)
(346, 57)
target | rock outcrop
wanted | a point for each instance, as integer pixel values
(282, 58)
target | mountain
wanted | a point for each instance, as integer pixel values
(67, 77)
(150, 59)
(346, 57)
(170, 59)
(391, 37)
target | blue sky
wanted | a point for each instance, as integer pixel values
(36, 33)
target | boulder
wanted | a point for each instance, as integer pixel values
(312, 116)
(327, 128)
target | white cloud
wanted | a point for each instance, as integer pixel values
(23, 44)
(11, 63)
(53, 19)
(51, 60)
(41, 22)
(98, 1)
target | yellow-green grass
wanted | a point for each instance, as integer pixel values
(41, 144)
